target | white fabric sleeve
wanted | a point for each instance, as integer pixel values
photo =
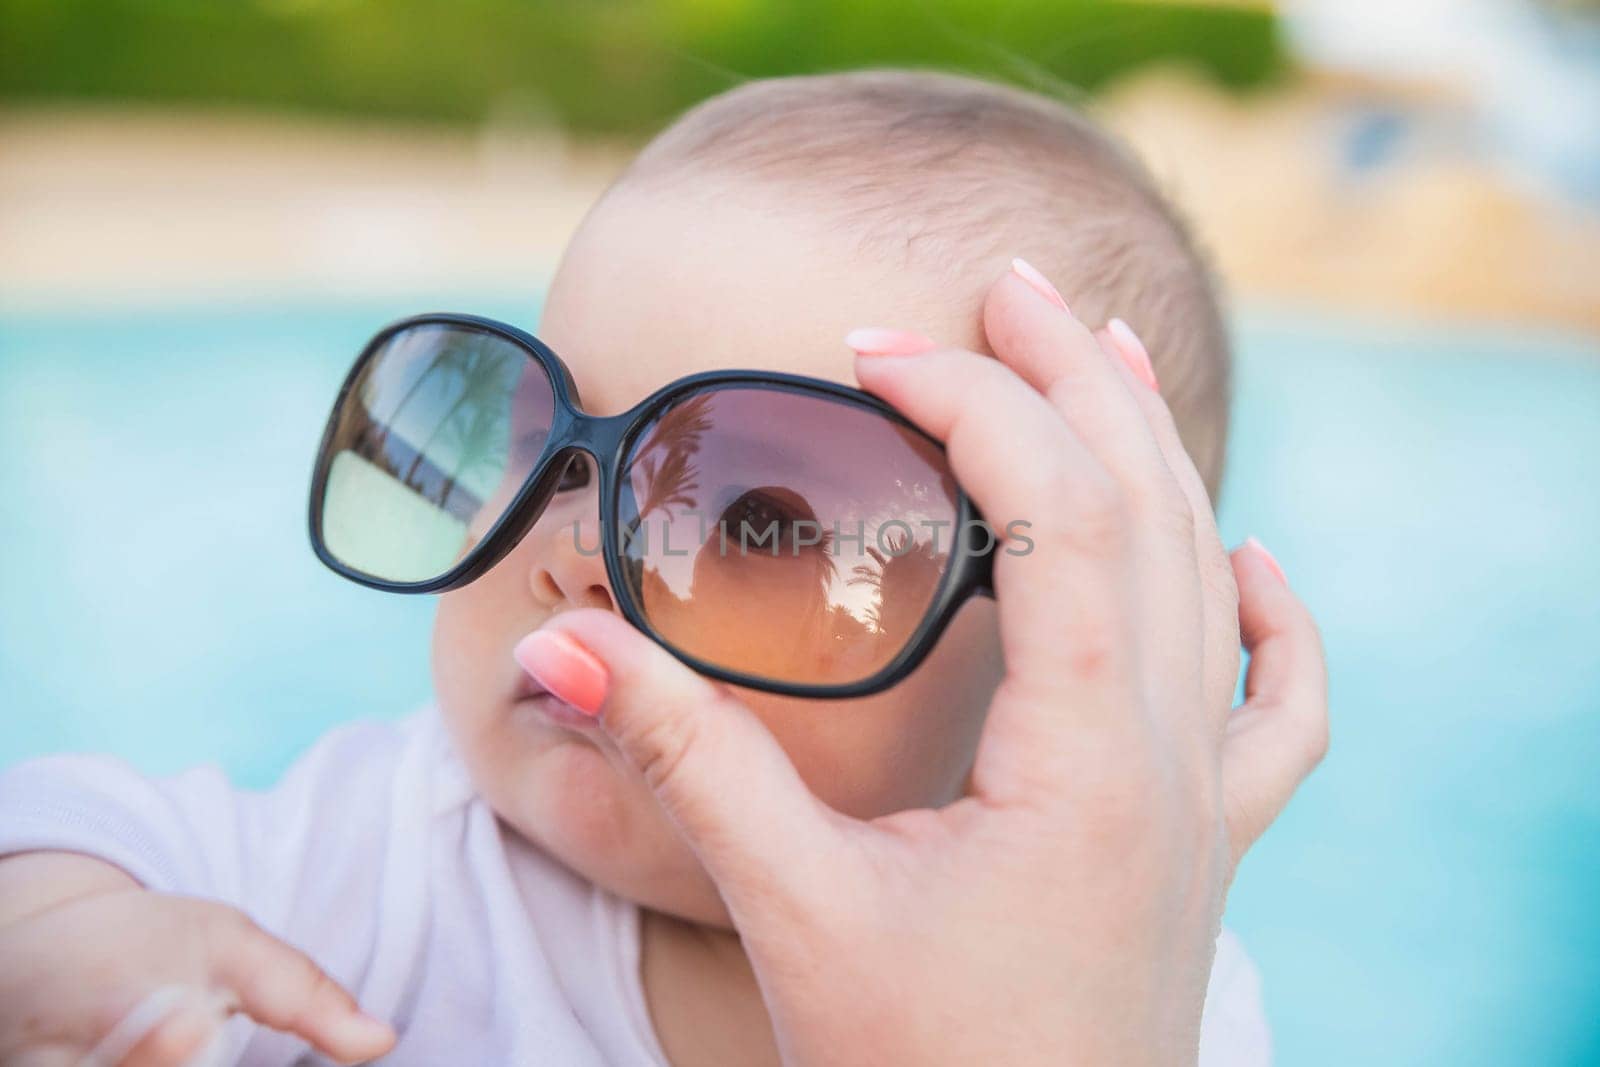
(306, 859)
(1234, 1030)
(302, 859)
(164, 832)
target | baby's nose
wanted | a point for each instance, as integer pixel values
(568, 567)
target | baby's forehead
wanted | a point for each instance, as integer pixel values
(661, 283)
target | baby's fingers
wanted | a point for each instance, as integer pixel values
(281, 987)
(1280, 733)
(181, 1027)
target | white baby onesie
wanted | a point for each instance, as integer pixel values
(375, 856)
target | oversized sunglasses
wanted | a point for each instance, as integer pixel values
(771, 530)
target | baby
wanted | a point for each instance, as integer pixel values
(490, 879)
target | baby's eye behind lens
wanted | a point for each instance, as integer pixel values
(429, 447)
(773, 520)
(833, 540)
(575, 476)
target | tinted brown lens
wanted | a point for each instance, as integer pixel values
(429, 447)
(784, 534)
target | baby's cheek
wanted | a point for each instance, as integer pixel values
(466, 671)
(556, 790)
(909, 747)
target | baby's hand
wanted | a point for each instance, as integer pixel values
(133, 978)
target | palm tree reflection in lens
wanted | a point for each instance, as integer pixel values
(443, 447)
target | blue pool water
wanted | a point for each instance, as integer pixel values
(1432, 896)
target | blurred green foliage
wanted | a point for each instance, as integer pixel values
(607, 65)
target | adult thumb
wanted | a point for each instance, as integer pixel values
(714, 767)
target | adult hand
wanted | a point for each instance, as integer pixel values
(1066, 910)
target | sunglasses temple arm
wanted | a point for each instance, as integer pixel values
(979, 561)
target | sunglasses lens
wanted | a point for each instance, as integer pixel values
(429, 446)
(784, 534)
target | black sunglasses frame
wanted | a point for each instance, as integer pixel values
(607, 440)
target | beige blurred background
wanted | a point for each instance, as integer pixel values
(129, 201)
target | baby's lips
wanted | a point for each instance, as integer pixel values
(527, 685)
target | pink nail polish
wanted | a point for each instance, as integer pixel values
(1133, 352)
(565, 668)
(363, 1030)
(1271, 560)
(1030, 274)
(878, 341)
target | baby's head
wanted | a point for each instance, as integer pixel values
(755, 232)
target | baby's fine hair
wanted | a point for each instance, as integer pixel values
(955, 172)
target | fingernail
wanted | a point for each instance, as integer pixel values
(1030, 274)
(1133, 352)
(1271, 560)
(879, 341)
(374, 1029)
(565, 668)
(362, 1031)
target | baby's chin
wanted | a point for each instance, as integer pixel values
(568, 793)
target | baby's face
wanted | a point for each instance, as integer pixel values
(656, 286)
